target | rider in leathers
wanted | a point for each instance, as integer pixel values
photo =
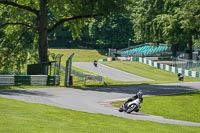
(139, 95)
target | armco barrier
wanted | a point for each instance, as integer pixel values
(7, 80)
(29, 80)
(169, 68)
(86, 76)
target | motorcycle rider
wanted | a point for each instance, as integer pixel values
(180, 77)
(139, 95)
(95, 63)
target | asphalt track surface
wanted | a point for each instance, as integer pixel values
(97, 100)
(109, 72)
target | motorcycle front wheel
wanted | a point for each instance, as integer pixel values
(121, 110)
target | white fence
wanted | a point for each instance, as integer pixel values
(170, 68)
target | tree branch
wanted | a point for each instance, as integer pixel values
(72, 18)
(18, 23)
(8, 2)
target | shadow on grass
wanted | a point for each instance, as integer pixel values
(6, 87)
(102, 51)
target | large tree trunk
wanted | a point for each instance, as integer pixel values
(43, 22)
(190, 44)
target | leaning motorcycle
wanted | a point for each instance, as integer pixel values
(131, 106)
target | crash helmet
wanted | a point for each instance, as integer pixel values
(139, 94)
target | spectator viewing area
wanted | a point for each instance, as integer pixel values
(144, 50)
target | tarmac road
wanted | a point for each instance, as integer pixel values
(109, 72)
(97, 100)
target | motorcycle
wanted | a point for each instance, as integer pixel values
(131, 106)
(180, 77)
(95, 63)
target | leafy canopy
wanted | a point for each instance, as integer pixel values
(26, 24)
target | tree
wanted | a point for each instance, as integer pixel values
(143, 13)
(174, 21)
(189, 16)
(43, 16)
(112, 32)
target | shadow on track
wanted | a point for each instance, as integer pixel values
(26, 92)
(147, 89)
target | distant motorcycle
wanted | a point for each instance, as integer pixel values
(180, 77)
(131, 106)
(95, 63)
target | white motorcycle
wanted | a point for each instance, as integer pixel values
(131, 106)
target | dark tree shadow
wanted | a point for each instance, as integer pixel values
(147, 89)
(27, 92)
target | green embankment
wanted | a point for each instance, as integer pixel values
(21, 117)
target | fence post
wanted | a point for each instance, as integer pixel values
(68, 70)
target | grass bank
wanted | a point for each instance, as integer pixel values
(80, 55)
(182, 107)
(21, 117)
(143, 70)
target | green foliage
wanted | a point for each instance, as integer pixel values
(16, 50)
(197, 43)
(17, 44)
(174, 21)
(27, 19)
(80, 8)
(169, 21)
(112, 32)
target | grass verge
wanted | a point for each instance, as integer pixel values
(80, 55)
(21, 117)
(143, 70)
(182, 107)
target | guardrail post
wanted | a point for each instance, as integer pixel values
(68, 70)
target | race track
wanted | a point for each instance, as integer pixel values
(98, 99)
(109, 72)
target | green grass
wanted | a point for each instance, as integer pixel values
(21, 117)
(80, 55)
(140, 69)
(182, 107)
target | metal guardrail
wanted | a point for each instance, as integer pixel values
(88, 76)
(29, 80)
(85, 76)
(7, 80)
